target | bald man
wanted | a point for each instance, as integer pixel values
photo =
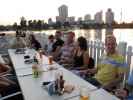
(111, 67)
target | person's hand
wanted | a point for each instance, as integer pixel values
(83, 72)
(6, 80)
(3, 84)
(4, 69)
(62, 61)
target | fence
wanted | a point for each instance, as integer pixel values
(96, 49)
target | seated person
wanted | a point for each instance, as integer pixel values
(111, 67)
(4, 44)
(67, 50)
(124, 94)
(34, 43)
(82, 61)
(57, 45)
(18, 42)
(8, 83)
(127, 92)
(50, 43)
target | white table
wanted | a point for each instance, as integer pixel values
(100, 94)
(18, 59)
(32, 87)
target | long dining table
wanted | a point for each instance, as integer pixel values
(32, 88)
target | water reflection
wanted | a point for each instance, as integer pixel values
(109, 31)
(87, 33)
(120, 34)
(98, 34)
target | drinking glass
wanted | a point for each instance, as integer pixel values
(84, 93)
(50, 59)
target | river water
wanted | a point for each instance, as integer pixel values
(92, 34)
(125, 35)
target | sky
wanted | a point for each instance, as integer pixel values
(12, 10)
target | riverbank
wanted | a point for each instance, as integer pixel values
(57, 26)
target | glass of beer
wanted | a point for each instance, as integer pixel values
(84, 93)
(50, 59)
(35, 70)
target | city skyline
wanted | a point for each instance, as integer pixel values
(12, 10)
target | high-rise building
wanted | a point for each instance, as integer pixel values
(87, 17)
(98, 17)
(63, 11)
(109, 17)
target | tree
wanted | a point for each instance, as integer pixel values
(58, 24)
(23, 23)
(30, 24)
(15, 26)
(39, 24)
(66, 24)
(34, 24)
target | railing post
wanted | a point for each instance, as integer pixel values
(102, 48)
(129, 55)
(91, 48)
(98, 51)
(95, 47)
(88, 44)
(122, 47)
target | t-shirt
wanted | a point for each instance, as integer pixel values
(109, 67)
(49, 47)
(67, 51)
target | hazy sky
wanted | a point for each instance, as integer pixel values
(12, 10)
